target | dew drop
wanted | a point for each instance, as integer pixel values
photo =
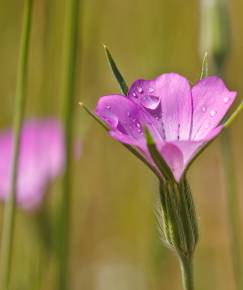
(203, 109)
(108, 107)
(138, 125)
(140, 89)
(128, 114)
(134, 95)
(213, 113)
(226, 99)
(150, 102)
(151, 90)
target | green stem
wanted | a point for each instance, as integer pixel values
(70, 44)
(187, 274)
(10, 209)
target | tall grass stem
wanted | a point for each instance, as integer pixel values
(68, 90)
(19, 109)
(215, 38)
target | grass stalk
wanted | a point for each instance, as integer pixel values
(10, 207)
(70, 45)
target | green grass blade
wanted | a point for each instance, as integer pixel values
(68, 96)
(10, 208)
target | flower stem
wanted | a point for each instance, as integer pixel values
(70, 43)
(10, 209)
(187, 273)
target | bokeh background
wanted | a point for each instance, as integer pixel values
(114, 238)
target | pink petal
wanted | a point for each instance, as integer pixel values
(174, 158)
(168, 100)
(211, 101)
(125, 118)
(41, 159)
(190, 148)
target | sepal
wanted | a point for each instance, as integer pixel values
(179, 222)
(116, 72)
(157, 158)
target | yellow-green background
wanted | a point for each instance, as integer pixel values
(114, 239)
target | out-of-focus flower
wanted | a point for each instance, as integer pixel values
(42, 158)
(181, 118)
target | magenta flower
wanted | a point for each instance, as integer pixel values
(181, 118)
(41, 159)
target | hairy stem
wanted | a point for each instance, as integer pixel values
(187, 274)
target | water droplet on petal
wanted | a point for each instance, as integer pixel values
(151, 90)
(134, 95)
(213, 113)
(128, 114)
(140, 89)
(108, 107)
(111, 119)
(226, 99)
(150, 102)
(138, 125)
(203, 109)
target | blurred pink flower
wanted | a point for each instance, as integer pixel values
(41, 159)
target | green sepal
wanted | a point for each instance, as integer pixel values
(94, 116)
(120, 79)
(179, 222)
(157, 158)
(233, 115)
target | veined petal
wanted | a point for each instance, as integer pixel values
(125, 118)
(190, 148)
(168, 100)
(211, 101)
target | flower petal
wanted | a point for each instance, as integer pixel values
(168, 100)
(211, 101)
(174, 158)
(190, 148)
(125, 118)
(41, 159)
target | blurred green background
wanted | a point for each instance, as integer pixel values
(114, 239)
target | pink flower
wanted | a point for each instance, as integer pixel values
(41, 159)
(181, 118)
